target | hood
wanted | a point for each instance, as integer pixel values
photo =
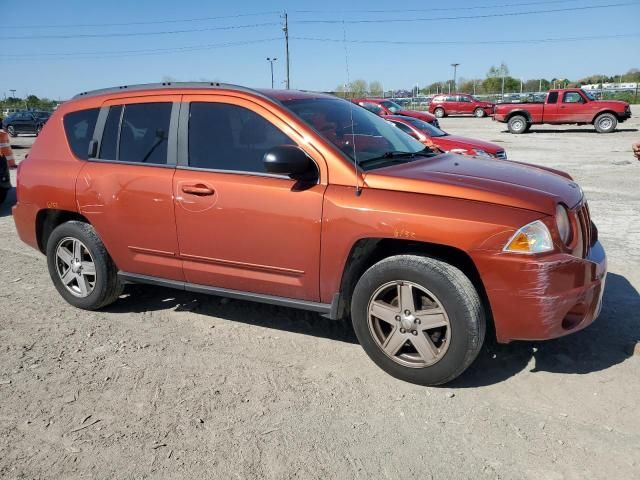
(617, 103)
(426, 116)
(449, 142)
(492, 181)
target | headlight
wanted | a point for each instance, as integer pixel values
(532, 238)
(563, 224)
(480, 153)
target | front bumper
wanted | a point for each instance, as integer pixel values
(539, 298)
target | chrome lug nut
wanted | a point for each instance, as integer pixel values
(402, 330)
(414, 332)
(397, 318)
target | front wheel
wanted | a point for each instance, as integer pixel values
(479, 113)
(12, 131)
(439, 112)
(418, 318)
(80, 267)
(605, 123)
(518, 124)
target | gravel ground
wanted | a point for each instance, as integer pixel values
(169, 384)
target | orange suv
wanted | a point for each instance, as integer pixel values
(305, 200)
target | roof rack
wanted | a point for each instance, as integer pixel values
(164, 86)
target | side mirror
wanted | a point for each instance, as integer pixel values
(289, 160)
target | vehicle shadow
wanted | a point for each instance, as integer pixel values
(10, 201)
(603, 344)
(144, 298)
(598, 347)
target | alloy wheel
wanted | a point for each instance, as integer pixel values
(75, 267)
(409, 324)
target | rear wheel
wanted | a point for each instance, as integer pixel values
(12, 131)
(81, 268)
(479, 112)
(518, 124)
(439, 112)
(605, 123)
(418, 318)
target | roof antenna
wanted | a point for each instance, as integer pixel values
(351, 107)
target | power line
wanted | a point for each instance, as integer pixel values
(467, 17)
(471, 42)
(139, 34)
(153, 22)
(138, 52)
(440, 9)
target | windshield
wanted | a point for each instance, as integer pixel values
(41, 114)
(425, 127)
(391, 106)
(368, 137)
(588, 95)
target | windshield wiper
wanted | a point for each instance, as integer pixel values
(398, 156)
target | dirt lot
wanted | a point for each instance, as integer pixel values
(168, 384)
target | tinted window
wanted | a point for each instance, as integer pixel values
(109, 144)
(553, 97)
(79, 129)
(451, 99)
(229, 137)
(372, 107)
(143, 133)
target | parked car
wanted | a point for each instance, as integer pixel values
(25, 122)
(5, 181)
(301, 200)
(564, 106)
(430, 135)
(459, 104)
(384, 107)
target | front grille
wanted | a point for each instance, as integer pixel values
(586, 232)
(501, 154)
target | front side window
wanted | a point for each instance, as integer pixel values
(230, 137)
(78, 127)
(572, 97)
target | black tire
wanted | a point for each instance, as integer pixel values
(3, 194)
(439, 112)
(107, 286)
(605, 123)
(458, 298)
(12, 131)
(479, 113)
(518, 124)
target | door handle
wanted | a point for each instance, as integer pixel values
(199, 190)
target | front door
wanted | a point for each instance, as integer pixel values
(238, 227)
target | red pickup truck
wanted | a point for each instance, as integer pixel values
(564, 106)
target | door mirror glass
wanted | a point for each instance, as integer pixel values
(288, 160)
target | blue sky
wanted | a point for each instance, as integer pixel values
(52, 67)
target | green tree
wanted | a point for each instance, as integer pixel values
(375, 88)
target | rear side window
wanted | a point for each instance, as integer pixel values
(137, 133)
(78, 127)
(229, 137)
(553, 97)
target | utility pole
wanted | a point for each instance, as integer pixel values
(13, 92)
(455, 70)
(271, 60)
(285, 29)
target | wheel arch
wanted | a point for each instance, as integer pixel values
(606, 110)
(523, 113)
(367, 251)
(47, 219)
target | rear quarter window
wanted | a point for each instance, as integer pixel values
(78, 127)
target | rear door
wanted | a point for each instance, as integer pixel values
(239, 227)
(550, 110)
(126, 189)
